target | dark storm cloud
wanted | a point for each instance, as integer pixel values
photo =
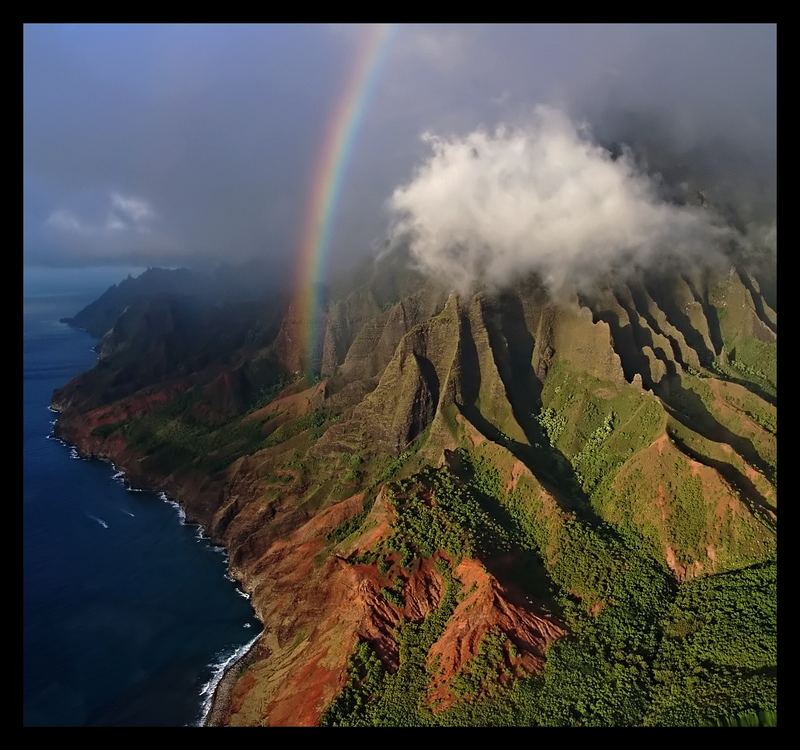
(174, 144)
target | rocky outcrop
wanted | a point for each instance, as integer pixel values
(488, 608)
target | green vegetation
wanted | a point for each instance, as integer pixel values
(763, 418)
(596, 425)
(563, 496)
(394, 594)
(394, 466)
(350, 526)
(760, 718)
(355, 471)
(618, 605)
(552, 423)
(614, 598)
(577, 407)
(488, 671)
(726, 418)
(374, 697)
(316, 421)
(443, 515)
(174, 437)
(366, 679)
(718, 656)
(268, 393)
(747, 354)
(599, 674)
(602, 673)
(593, 462)
(384, 468)
(755, 359)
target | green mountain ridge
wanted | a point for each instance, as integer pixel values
(508, 507)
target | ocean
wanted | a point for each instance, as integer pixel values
(127, 611)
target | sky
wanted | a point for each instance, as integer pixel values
(188, 144)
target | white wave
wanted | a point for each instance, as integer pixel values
(243, 594)
(247, 625)
(99, 520)
(175, 504)
(218, 672)
(135, 489)
(53, 436)
(118, 475)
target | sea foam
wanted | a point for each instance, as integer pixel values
(99, 520)
(217, 673)
(175, 504)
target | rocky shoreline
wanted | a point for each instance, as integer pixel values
(221, 698)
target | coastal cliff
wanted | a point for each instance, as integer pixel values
(485, 509)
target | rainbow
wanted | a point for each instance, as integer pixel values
(326, 184)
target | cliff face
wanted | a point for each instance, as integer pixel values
(477, 483)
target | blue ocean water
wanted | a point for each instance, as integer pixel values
(127, 612)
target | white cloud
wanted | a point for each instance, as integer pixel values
(125, 214)
(123, 225)
(115, 225)
(66, 221)
(135, 210)
(491, 206)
